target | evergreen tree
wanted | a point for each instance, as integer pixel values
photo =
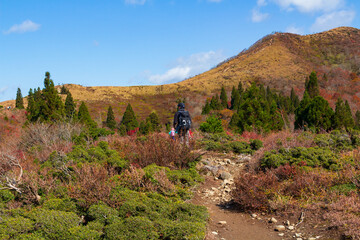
(269, 95)
(46, 104)
(69, 106)
(312, 86)
(223, 98)
(349, 120)
(234, 122)
(110, 119)
(84, 116)
(339, 116)
(240, 88)
(215, 103)
(64, 90)
(122, 130)
(318, 114)
(235, 99)
(294, 100)
(299, 112)
(129, 119)
(19, 100)
(357, 119)
(154, 122)
(206, 109)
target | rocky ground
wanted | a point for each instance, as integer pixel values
(227, 223)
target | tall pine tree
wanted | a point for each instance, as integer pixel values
(69, 106)
(19, 103)
(129, 119)
(84, 116)
(223, 98)
(110, 119)
(235, 99)
(312, 86)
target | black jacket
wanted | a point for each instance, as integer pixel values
(176, 117)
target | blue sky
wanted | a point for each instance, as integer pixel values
(143, 42)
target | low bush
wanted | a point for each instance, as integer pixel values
(13, 226)
(54, 224)
(313, 157)
(6, 196)
(66, 205)
(212, 125)
(102, 213)
(84, 233)
(156, 148)
(132, 228)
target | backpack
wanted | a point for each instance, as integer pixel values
(184, 120)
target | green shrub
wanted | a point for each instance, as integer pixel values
(214, 146)
(29, 236)
(12, 226)
(345, 189)
(100, 153)
(132, 228)
(312, 157)
(102, 213)
(6, 196)
(188, 212)
(54, 224)
(183, 230)
(212, 125)
(256, 144)
(240, 147)
(185, 177)
(84, 233)
(65, 205)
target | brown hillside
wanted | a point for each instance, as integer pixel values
(279, 60)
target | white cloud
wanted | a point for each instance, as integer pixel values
(332, 20)
(185, 67)
(135, 2)
(293, 29)
(3, 90)
(257, 16)
(26, 26)
(261, 3)
(310, 5)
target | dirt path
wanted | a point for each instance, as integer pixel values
(239, 226)
(226, 223)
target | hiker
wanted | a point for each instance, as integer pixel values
(172, 133)
(182, 123)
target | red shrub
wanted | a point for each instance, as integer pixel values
(254, 190)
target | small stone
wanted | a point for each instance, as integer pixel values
(287, 223)
(297, 234)
(273, 220)
(222, 222)
(279, 228)
(281, 234)
(299, 239)
(225, 176)
(253, 215)
(290, 227)
(312, 238)
(215, 233)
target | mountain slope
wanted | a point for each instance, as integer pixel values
(279, 60)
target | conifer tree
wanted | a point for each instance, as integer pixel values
(154, 122)
(19, 100)
(312, 86)
(110, 119)
(54, 107)
(235, 99)
(206, 109)
(269, 95)
(240, 88)
(69, 106)
(318, 115)
(349, 120)
(339, 115)
(223, 98)
(84, 116)
(129, 119)
(215, 103)
(299, 112)
(234, 122)
(357, 119)
(294, 100)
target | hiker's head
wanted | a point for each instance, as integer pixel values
(181, 105)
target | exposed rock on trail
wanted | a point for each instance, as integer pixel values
(226, 223)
